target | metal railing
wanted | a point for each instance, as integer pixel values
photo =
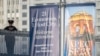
(21, 42)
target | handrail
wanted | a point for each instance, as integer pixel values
(21, 45)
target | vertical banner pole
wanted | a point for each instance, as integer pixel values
(62, 17)
(62, 11)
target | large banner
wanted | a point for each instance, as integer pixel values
(79, 30)
(44, 31)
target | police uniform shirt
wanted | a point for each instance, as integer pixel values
(11, 28)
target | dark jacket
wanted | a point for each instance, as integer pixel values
(10, 28)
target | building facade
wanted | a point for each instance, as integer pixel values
(17, 10)
(1, 13)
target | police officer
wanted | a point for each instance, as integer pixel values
(11, 27)
(10, 40)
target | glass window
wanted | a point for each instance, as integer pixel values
(24, 6)
(98, 11)
(24, 14)
(8, 18)
(16, 10)
(98, 3)
(8, 11)
(8, 2)
(24, 29)
(24, 0)
(17, 18)
(24, 22)
(12, 2)
(17, 1)
(2, 12)
(12, 17)
(98, 19)
(99, 28)
(13, 11)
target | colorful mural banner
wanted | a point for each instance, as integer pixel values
(79, 30)
(44, 30)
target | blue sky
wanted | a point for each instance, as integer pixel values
(74, 9)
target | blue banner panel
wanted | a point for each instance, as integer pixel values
(79, 30)
(44, 31)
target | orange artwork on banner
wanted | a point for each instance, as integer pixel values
(81, 28)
